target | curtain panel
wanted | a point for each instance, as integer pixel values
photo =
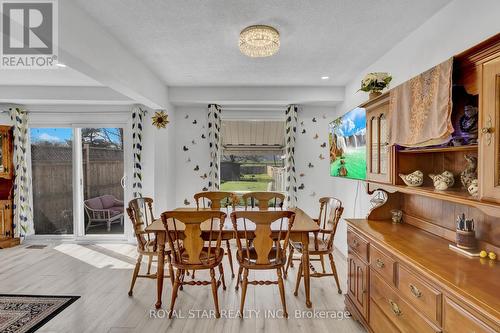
(137, 128)
(290, 137)
(23, 217)
(214, 142)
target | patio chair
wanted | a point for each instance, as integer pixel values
(103, 209)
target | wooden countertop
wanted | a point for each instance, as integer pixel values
(477, 279)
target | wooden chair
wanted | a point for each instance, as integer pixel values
(140, 212)
(218, 200)
(189, 250)
(263, 199)
(329, 215)
(262, 250)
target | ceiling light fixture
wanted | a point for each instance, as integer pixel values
(259, 41)
(325, 77)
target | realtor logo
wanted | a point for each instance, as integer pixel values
(29, 34)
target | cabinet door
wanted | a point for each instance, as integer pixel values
(490, 136)
(5, 219)
(378, 149)
(357, 283)
(5, 153)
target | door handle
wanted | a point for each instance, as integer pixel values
(395, 308)
(415, 291)
(122, 181)
(380, 263)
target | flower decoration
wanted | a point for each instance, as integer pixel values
(160, 119)
(375, 82)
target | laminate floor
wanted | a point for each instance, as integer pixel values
(101, 274)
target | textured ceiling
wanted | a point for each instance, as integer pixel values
(195, 42)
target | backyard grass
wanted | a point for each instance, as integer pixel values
(260, 183)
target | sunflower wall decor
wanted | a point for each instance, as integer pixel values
(160, 119)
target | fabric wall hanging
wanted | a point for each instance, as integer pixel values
(420, 109)
(290, 136)
(23, 217)
(137, 128)
(214, 142)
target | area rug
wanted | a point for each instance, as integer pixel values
(27, 313)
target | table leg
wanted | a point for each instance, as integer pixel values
(160, 242)
(305, 259)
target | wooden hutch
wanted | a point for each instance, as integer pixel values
(6, 185)
(403, 277)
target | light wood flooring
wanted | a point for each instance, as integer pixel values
(101, 274)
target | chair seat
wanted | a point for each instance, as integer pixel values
(206, 260)
(322, 246)
(251, 261)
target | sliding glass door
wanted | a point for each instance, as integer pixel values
(78, 181)
(103, 180)
(52, 178)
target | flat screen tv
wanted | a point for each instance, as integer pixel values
(347, 136)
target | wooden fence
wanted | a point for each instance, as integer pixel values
(52, 168)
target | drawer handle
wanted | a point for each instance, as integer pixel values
(415, 291)
(355, 242)
(379, 263)
(395, 308)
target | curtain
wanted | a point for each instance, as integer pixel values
(137, 127)
(290, 137)
(23, 217)
(214, 141)
(420, 109)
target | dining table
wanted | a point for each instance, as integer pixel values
(302, 226)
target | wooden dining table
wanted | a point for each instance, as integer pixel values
(302, 226)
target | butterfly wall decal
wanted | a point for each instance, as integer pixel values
(314, 120)
(204, 176)
(323, 145)
(302, 174)
(196, 168)
(310, 165)
(321, 157)
(193, 142)
(195, 122)
(304, 131)
(186, 202)
(204, 189)
(203, 136)
(185, 148)
(186, 116)
(301, 187)
(188, 160)
(316, 136)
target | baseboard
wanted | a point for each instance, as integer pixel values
(9, 242)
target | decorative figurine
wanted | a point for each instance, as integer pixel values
(470, 172)
(397, 216)
(473, 188)
(468, 124)
(414, 179)
(443, 181)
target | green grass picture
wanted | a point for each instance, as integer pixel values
(347, 138)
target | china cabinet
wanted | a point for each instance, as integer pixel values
(7, 238)
(403, 277)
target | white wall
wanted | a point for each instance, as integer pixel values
(457, 27)
(188, 180)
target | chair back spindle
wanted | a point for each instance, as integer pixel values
(268, 228)
(330, 212)
(184, 235)
(263, 199)
(140, 212)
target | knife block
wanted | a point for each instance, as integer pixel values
(466, 239)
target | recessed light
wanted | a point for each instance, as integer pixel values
(60, 64)
(325, 77)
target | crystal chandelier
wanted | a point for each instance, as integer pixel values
(259, 41)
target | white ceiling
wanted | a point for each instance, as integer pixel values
(195, 42)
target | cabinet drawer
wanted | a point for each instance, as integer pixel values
(400, 313)
(382, 264)
(357, 244)
(419, 294)
(457, 319)
(379, 323)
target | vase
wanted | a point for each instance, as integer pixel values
(374, 94)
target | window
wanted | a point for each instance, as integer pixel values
(252, 156)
